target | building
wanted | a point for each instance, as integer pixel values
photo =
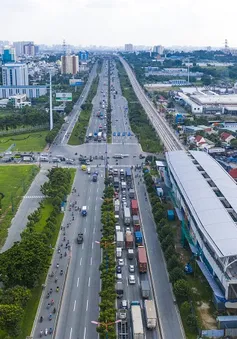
(19, 101)
(128, 47)
(205, 198)
(69, 64)
(29, 49)
(30, 91)
(158, 49)
(227, 137)
(15, 75)
(83, 55)
(19, 46)
(9, 54)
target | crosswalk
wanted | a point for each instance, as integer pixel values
(34, 196)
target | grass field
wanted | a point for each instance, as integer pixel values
(14, 182)
(34, 141)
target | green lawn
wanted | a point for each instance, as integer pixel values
(34, 141)
(14, 182)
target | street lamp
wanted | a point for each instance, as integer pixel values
(106, 325)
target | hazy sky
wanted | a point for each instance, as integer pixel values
(116, 22)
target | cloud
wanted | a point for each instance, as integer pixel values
(101, 4)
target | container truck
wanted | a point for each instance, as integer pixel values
(134, 207)
(116, 182)
(150, 314)
(130, 254)
(145, 289)
(142, 259)
(136, 223)
(136, 317)
(119, 289)
(129, 240)
(119, 239)
(128, 174)
(116, 209)
(138, 238)
(131, 193)
(126, 216)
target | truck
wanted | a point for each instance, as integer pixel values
(121, 173)
(84, 211)
(150, 314)
(119, 239)
(126, 216)
(119, 289)
(136, 223)
(142, 259)
(123, 185)
(122, 314)
(134, 207)
(136, 317)
(130, 254)
(94, 177)
(116, 182)
(99, 136)
(145, 289)
(131, 193)
(128, 174)
(95, 136)
(138, 238)
(129, 240)
(116, 210)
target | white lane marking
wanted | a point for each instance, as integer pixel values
(97, 189)
(70, 333)
(91, 261)
(96, 205)
(95, 218)
(75, 302)
(127, 281)
(85, 230)
(87, 305)
(84, 332)
(94, 230)
(80, 261)
(88, 208)
(89, 282)
(83, 245)
(78, 279)
(92, 245)
(89, 198)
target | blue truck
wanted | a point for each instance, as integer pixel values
(138, 238)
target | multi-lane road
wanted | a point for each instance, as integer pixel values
(79, 285)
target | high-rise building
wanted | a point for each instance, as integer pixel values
(83, 55)
(29, 49)
(128, 47)
(19, 46)
(15, 74)
(69, 64)
(158, 49)
(9, 54)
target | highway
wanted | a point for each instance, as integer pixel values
(162, 128)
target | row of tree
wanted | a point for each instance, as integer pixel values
(175, 268)
(107, 267)
(109, 110)
(139, 122)
(24, 264)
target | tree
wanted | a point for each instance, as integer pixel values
(10, 319)
(173, 262)
(167, 241)
(234, 143)
(18, 295)
(185, 308)
(182, 290)
(165, 231)
(191, 322)
(176, 274)
(169, 251)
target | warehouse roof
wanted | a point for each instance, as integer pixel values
(211, 216)
(230, 99)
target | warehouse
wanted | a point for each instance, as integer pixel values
(206, 200)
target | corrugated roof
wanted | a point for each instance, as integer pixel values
(211, 216)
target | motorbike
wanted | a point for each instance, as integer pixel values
(46, 331)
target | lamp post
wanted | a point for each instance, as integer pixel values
(50, 101)
(106, 325)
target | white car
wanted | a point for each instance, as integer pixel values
(120, 262)
(131, 279)
(119, 276)
(131, 268)
(124, 199)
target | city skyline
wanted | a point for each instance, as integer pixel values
(116, 22)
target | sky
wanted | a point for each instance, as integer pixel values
(116, 22)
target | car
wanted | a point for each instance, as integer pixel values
(118, 134)
(131, 268)
(125, 203)
(141, 156)
(80, 238)
(124, 199)
(131, 279)
(91, 158)
(129, 134)
(88, 162)
(121, 262)
(128, 229)
(124, 134)
(95, 157)
(118, 269)
(116, 120)
(124, 304)
(119, 276)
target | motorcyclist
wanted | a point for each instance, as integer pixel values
(41, 319)
(61, 272)
(61, 255)
(52, 302)
(41, 333)
(54, 310)
(65, 254)
(50, 330)
(46, 331)
(57, 288)
(50, 316)
(56, 279)
(57, 265)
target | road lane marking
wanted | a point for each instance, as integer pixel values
(80, 261)
(70, 333)
(92, 245)
(78, 279)
(75, 302)
(94, 230)
(82, 245)
(84, 230)
(91, 261)
(84, 332)
(87, 305)
(95, 218)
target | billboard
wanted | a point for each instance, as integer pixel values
(63, 96)
(76, 82)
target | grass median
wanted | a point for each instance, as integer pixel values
(14, 183)
(139, 122)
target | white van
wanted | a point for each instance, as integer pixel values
(88, 170)
(118, 252)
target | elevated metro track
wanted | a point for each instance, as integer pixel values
(167, 136)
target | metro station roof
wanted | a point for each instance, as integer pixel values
(211, 216)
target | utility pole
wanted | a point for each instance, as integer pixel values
(50, 102)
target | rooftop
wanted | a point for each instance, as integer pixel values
(212, 213)
(215, 99)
